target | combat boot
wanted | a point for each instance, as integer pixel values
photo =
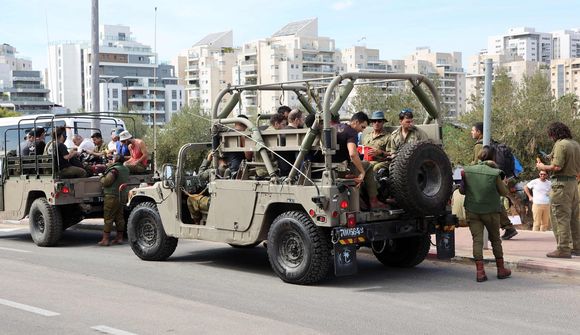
(104, 242)
(502, 272)
(118, 238)
(509, 233)
(480, 271)
(575, 252)
(559, 254)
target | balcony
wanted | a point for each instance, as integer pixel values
(146, 97)
(321, 69)
(322, 60)
(35, 79)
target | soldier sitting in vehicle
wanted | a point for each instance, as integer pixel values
(66, 160)
(198, 200)
(360, 170)
(376, 142)
(406, 133)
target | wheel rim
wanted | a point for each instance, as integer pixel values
(291, 250)
(38, 222)
(429, 178)
(146, 233)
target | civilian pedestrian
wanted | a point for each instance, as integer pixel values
(540, 201)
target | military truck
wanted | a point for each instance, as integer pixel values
(31, 186)
(312, 219)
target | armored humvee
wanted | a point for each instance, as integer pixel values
(311, 219)
(30, 184)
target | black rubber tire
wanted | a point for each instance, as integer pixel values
(403, 252)
(420, 179)
(247, 246)
(298, 250)
(45, 223)
(146, 235)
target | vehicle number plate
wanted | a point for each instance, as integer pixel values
(350, 232)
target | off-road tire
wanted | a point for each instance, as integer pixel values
(298, 250)
(403, 252)
(45, 223)
(146, 235)
(420, 179)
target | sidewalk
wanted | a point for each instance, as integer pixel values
(524, 252)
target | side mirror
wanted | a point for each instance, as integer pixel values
(168, 176)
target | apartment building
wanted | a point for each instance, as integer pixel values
(206, 68)
(566, 44)
(523, 42)
(65, 75)
(295, 52)
(516, 67)
(21, 88)
(129, 77)
(447, 71)
(565, 77)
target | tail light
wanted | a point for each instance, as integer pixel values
(351, 220)
(344, 204)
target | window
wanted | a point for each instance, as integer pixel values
(174, 94)
(115, 93)
(174, 105)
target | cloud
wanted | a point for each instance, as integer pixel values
(342, 5)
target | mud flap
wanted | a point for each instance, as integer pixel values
(345, 263)
(445, 240)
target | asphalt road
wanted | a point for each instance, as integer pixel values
(209, 288)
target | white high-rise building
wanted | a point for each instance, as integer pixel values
(294, 52)
(129, 77)
(206, 68)
(566, 44)
(21, 88)
(565, 77)
(65, 75)
(516, 67)
(447, 69)
(524, 42)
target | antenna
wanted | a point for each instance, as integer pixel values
(155, 94)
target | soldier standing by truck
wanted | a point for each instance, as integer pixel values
(114, 176)
(482, 188)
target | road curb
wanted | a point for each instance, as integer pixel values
(522, 264)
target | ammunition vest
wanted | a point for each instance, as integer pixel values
(481, 194)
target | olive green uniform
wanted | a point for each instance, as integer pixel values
(379, 141)
(397, 140)
(483, 187)
(114, 176)
(564, 194)
(504, 220)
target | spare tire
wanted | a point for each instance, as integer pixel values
(420, 178)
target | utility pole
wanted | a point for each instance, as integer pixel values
(155, 95)
(96, 108)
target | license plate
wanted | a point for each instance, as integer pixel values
(347, 236)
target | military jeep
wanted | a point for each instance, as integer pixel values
(312, 219)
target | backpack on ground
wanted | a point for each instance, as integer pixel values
(504, 158)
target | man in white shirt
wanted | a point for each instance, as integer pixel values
(540, 201)
(83, 145)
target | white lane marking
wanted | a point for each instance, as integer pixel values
(109, 330)
(15, 250)
(28, 308)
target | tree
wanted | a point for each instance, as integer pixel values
(188, 125)
(7, 112)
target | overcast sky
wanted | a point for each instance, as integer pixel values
(395, 27)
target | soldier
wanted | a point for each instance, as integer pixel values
(482, 187)
(115, 175)
(377, 142)
(505, 222)
(565, 167)
(406, 133)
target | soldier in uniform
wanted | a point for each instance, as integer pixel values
(505, 222)
(565, 168)
(114, 176)
(482, 186)
(377, 142)
(406, 133)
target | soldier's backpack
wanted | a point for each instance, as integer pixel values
(504, 158)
